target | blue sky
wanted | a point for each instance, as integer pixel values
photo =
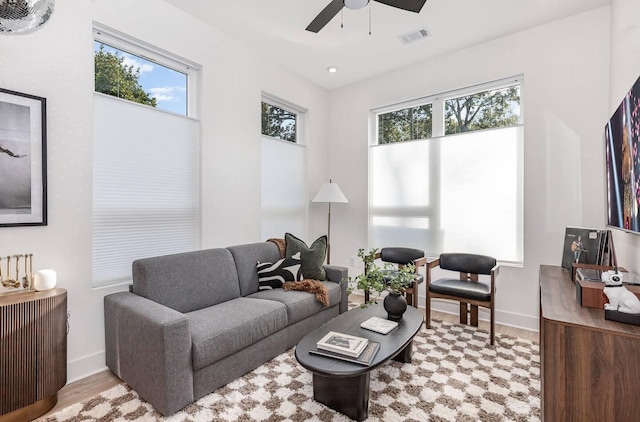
(166, 85)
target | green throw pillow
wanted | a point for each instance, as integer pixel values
(311, 257)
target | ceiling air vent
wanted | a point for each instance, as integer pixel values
(414, 36)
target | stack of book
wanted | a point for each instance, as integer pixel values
(346, 347)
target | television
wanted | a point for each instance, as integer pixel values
(622, 145)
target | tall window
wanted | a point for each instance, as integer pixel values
(456, 186)
(284, 198)
(146, 177)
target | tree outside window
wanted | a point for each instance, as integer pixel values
(279, 123)
(483, 110)
(405, 125)
(130, 77)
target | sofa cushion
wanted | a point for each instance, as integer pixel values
(300, 305)
(312, 257)
(221, 330)
(187, 281)
(246, 257)
(272, 275)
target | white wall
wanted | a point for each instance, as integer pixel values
(565, 96)
(625, 69)
(56, 62)
(566, 99)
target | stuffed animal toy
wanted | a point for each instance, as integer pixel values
(620, 298)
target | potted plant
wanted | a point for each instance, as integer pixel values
(376, 279)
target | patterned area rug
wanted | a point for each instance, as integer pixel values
(455, 376)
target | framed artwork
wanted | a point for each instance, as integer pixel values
(23, 159)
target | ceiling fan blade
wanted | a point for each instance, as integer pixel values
(326, 15)
(408, 5)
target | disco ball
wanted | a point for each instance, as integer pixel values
(24, 16)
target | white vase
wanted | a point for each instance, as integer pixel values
(45, 280)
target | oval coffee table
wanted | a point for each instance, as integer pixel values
(344, 386)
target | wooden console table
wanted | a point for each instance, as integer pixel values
(589, 367)
(33, 353)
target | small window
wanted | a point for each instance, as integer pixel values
(483, 110)
(279, 123)
(138, 79)
(405, 125)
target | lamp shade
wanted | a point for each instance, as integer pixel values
(330, 192)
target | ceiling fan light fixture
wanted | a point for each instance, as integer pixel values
(24, 16)
(355, 4)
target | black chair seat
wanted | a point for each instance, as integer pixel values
(388, 274)
(474, 290)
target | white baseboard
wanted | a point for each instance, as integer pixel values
(85, 366)
(523, 322)
(510, 319)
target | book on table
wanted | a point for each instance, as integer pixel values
(365, 357)
(344, 344)
(379, 325)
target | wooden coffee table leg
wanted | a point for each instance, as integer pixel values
(349, 396)
(406, 354)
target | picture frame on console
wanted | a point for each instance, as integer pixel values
(23, 153)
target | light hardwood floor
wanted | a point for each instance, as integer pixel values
(91, 386)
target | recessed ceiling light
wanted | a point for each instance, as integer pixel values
(332, 69)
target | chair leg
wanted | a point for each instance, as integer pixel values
(493, 326)
(414, 295)
(427, 307)
(474, 315)
(463, 312)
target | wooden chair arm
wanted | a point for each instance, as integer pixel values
(433, 263)
(420, 262)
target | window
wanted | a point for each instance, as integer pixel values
(405, 125)
(279, 123)
(483, 110)
(284, 170)
(139, 78)
(146, 168)
(458, 188)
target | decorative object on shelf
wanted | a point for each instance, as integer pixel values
(45, 280)
(15, 281)
(24, 16)
(330, 192)
(620, 298)
(23, 159)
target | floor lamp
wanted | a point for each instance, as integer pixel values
(330, 192)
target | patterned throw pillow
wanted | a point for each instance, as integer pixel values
(273, 275)
(311, 257)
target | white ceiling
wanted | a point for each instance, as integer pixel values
(276, 28)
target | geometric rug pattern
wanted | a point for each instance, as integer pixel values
(454, 376)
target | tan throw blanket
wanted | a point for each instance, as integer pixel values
(280, 243)
(311, 286)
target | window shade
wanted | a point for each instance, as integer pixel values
(459, 193)
(146, 184)
(284, 199)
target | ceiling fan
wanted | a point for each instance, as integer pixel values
(336, 6)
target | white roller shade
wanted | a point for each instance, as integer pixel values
(146, 186)
(459, 193)
(284, 198)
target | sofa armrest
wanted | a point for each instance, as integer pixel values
(148, 346)
(337, 275)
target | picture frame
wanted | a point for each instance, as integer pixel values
(23, 159)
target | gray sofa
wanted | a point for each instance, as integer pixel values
(195, 321)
